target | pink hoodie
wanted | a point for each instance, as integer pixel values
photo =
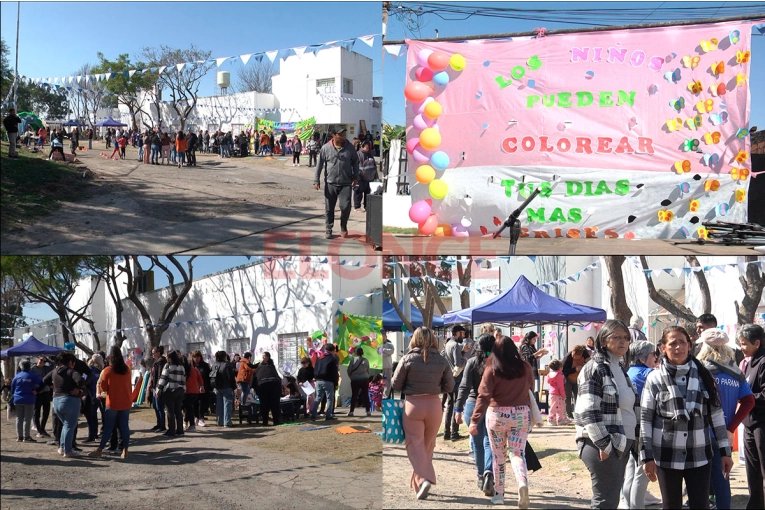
(556, 383)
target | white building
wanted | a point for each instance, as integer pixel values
(268, 306)
(335, 86)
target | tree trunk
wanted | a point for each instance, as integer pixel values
(683, 314)
(390, 295)
(618, 299)
(752, 283)
(701, 277)
(464, 277)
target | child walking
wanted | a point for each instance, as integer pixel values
(556, 382)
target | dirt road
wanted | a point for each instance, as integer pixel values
(243, 467)
(222, 206)
(563, 481)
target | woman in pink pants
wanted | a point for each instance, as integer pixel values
(422, 374)
(503, 397)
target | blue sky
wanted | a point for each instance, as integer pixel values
(56, 38)
(395, 70)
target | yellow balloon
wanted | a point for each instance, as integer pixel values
(457, 62)
(430, 139)
(443, 231)
(433, 110)
(425, 174)
(438, 189)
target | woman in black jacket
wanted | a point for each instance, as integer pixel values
(306, 375)
(269, 389)
(68, 389)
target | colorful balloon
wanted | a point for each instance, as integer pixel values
(438, 189)
(425, 174)
(422, 57)
(429, 226)
(418, 108)
(430, 138)
(457, 62)
(422, 122)
(423, 74)
(411, 144)
(420, 155)
(420, 211)
(438, 61)
(441, 78)
(416, 91)
(440, 160)
(432, 109)
(459, 231)
(443, 231)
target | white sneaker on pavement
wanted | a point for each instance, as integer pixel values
(523, 496)
(424, 490)
(498, 499)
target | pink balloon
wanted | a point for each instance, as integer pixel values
(421, 122)
(423, 74)
(411, 144)
(429, 226)
(418, 108)
(459, 231)
(420, 211)
(422, 57)
(420, 155)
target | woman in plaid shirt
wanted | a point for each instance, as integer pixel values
(606, 414)
(680, 402)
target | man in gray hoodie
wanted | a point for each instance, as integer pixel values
(342, 172)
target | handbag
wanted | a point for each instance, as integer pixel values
(392, 424)
(536, 414)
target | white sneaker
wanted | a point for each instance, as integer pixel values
(523, 497)
(498, 499)
(650, 499)
(424, 490)
(201, 422)
(623, 505)
(60, 451)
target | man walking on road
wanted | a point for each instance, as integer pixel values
(11, 123)
(342, 172)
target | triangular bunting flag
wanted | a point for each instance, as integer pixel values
(219, 61)
(179, 67)
(393, 50)
(369, 40)
(272, 55)
(245, 58)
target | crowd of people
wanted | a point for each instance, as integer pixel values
(642, 412)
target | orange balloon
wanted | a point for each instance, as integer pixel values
(416, 91)
(438, 61)
(429, 226)
(443, 230)
(425, 174)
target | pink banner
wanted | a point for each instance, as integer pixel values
(635, 133)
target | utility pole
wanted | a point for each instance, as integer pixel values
(16, 69)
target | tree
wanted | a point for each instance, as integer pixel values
(128, 90)
(255, 78)
(752, 282)
(53, 280)
(86, 96)
(11, 305)
(5, 70)
(427, 298)
(154, 328)
(184, 73)
(392, 133)
(619, 305)
(108, 271)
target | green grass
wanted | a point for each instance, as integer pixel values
(397, 230)
(32, 186)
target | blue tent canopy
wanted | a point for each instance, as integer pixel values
(110, 122)
(525, 303)
(30, 347)
(392, 322)
(73, 122)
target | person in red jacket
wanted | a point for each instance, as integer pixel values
(195, 385)
(180, 148)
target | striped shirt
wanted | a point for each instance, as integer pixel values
(678, 443)
(173, 377)
(597, 414)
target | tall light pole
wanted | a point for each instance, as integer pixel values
(16, 68)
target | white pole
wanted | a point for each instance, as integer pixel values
(16, 69)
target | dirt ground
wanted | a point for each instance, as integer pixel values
(176, 207)
(563, 481)
(242, 467)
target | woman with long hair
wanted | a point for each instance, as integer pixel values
(422, 374)
(172, 388)
(115, 386)
(195, 386)
(606, 414)
(466, 399)
(679, 405)
(503, 400)
(68, 389)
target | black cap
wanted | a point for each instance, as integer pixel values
(457, 329)
(338, 129)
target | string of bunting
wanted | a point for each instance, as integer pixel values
(272, 56)
(177, 324)
(686, 271)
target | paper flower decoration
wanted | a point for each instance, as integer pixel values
(718, 89)
(718, 68)
(711, 185)
(682, 166)
(693, 206)
(694, 122)
(690, 145)
(718, 119)
(712, 137)
(695, 87)
(711, 159)
(703, 233)
(742, 57)
(675, 124)
(678, 104)
(739, 174)
(672, 76)
(708, 45)
(691, 62)
(741, 156)
(705, 106)
(740, 195)
(665, 216)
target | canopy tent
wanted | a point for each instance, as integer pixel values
(30, 119)
(525, 303)
(74, 122)
(392, 321)
(110, 122)
(30, 347)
